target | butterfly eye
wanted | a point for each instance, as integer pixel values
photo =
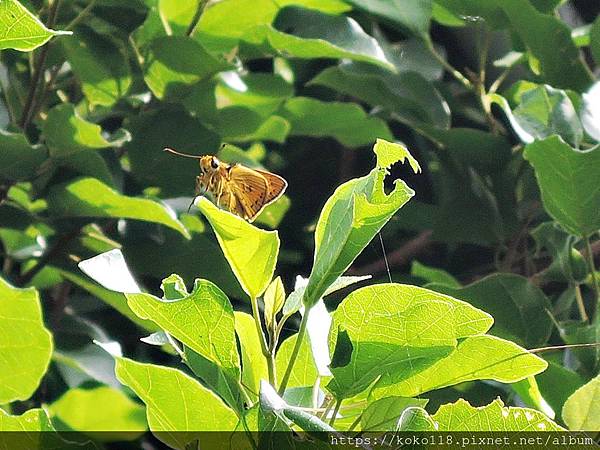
(214, 163)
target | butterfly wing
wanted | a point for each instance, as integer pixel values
(276, 186)
(250, 189)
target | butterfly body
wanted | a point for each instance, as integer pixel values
(237, 188)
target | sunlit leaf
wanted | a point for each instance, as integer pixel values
(582, 409)
(250, 251)
(21, 30)
(25, 342)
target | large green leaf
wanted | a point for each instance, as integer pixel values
(305, 371)
(20, 29)
(19, 160)
(410, 97)
(223, 24)
(346, 122)
(582, 409)
(398, 331)
(250, 251)
(595, 40)
(100, 65)
(352, 216)
(543, 111)
(66, 132)
(89, 197)
(174, 63)
(202, 320)
(549, 42)
(174, 401)
(461, 416)
(518, 307)
(476, 358)
(412, 15)
(383, 414)
(25, 343)
(568, 181)
(100, 409)
(307, 33)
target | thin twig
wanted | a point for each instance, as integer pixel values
(454, 72)
(38, 70)
(196, 19)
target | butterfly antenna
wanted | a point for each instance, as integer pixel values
(387, 266)
(185, 155)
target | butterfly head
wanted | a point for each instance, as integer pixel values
(209, 164)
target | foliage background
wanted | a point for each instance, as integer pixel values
(495, 100)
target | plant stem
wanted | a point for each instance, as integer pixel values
(263, 343)
(295, 351)
(580, 305)
(592, 267)
(38, 71)
(196, 19)
(84, 12)
(454, 72)
(336, 410)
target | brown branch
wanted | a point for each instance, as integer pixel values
(398, 257)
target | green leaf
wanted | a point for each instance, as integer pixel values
(89, 197)
(519, 308)
(241, 124)
(401, 337)
(100, 409)
(306, 33)
(305, 371)
(567, 261)
(542, 112)
(274, 299)
(346, 122)
(548, 40)
(254, 363)
(225, 23)
(173, 400)
(260, 92)
(250, 251)
(101, 66)
(529, 392)
(25, 343)
(19, 160)
(33, 420)
(476, 358)
(294, 300)
(582, 409)
(173, 64)
(271, 402)
(21, 30)
(433, 275)
(202, 320)
(352, 216)
(461, 416)
(567, 179)
(557, 383)
(413, 15)
(66, 132)
(384, 414)
(595, 40)
(410, 97)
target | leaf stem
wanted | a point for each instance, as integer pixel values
(38, 71)
(196, 19)
(84, 12)
(454, 72)
(263, 343)
(295, 351)
(580, 305)
(592, 268)
(336, 410)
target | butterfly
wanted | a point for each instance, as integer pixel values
(241, 190)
